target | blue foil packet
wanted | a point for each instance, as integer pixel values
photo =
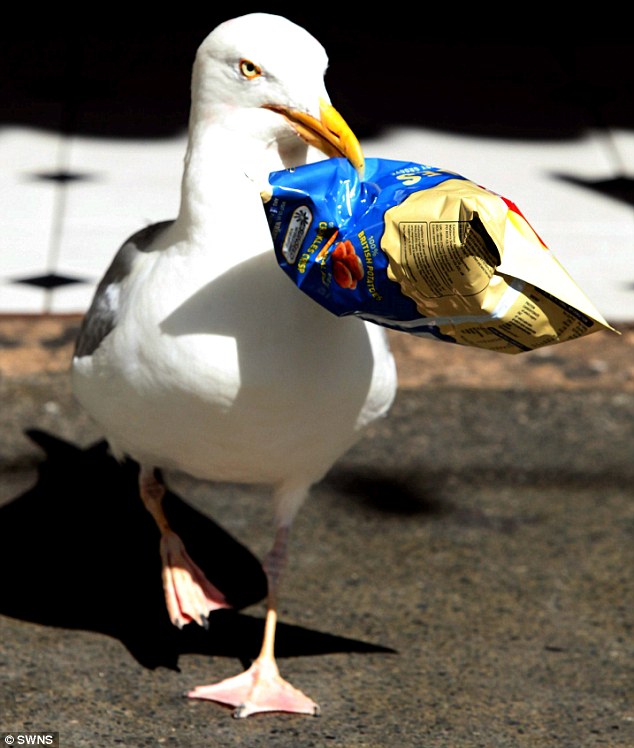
(425, 251)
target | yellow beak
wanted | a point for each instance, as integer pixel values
(330, 133)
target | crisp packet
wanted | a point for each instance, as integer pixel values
(425, 251)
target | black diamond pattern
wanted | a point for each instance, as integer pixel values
(619, 188)
(50, 280)
(62, 177)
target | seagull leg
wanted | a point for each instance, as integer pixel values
(261, 688)
(189, 595)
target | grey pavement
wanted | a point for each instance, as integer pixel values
(462, 578)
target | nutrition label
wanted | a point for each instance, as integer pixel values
(445, 257)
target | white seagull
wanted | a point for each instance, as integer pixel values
(199, 355)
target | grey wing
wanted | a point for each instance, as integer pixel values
(102, 315)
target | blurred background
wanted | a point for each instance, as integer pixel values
(93, 130)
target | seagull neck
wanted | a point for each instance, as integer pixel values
(208, 175)
(218, 197)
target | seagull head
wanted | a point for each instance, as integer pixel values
(261, 77)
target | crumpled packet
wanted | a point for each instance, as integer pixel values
(425, 251)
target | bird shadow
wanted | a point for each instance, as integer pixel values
(403, 494)
(80, 551)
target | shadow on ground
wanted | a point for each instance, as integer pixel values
(91, 561)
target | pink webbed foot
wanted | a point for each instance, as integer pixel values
(261, 688)
(189, 595)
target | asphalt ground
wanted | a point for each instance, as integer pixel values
(463, 577)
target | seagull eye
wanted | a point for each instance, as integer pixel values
(250, 69)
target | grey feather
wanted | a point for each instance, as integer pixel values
(101, 317)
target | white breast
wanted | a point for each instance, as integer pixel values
(242, 379)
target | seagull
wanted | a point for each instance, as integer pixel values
(199, 356)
